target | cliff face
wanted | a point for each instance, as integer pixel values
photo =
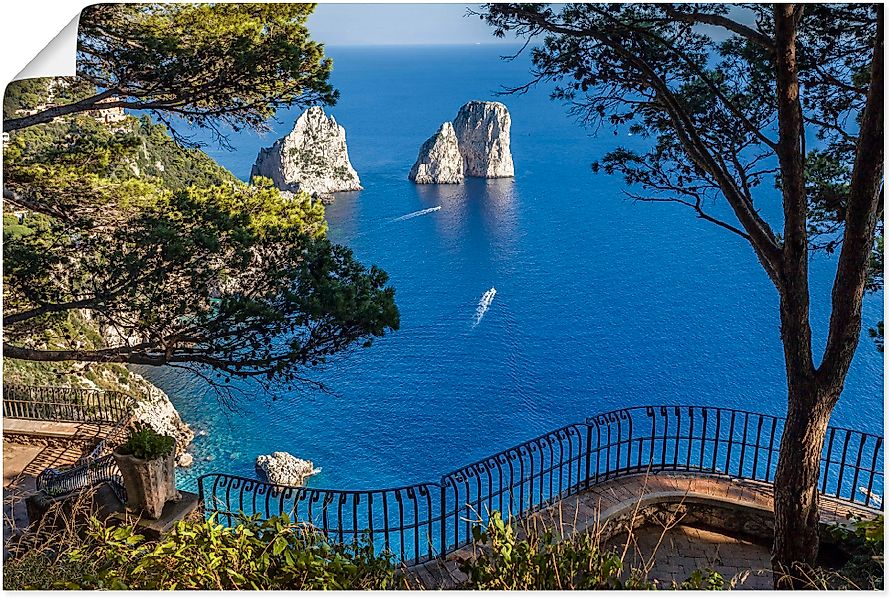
(475, 144)
(312, 158)
(483, 132)
(153, 407)
(439, 160)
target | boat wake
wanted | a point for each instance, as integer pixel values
(417, 214)
(483, 306)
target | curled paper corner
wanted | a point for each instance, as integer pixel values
(58, 58)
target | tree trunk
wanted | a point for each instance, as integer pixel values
(796, 491)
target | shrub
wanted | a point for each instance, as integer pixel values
(864, 545)
(703, 579)
(503, 561)
(147, 444)
(203, 555)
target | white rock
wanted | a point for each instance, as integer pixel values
(439, 160)
(483, 132)
(154, 408)
(312, 158)
(283, 468)
(185, 460)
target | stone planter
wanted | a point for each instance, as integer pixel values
(149, 483)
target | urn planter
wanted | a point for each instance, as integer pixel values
(149, 483)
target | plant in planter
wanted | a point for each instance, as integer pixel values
(146, 461)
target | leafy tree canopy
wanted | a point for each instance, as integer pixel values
(212, 65)
(175, 260)
(708, 103)
(726, 101)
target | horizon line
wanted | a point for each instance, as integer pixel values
(415, 44)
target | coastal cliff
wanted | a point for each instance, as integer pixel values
(475, 144)
(312, 158)
(152, 406)
(439, 160)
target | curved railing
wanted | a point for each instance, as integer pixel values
(92, 469)
(75, 405)
(423, 521)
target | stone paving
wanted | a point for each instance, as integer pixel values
(54, 429)
(669, 555)
(22, 463)
(615, 506)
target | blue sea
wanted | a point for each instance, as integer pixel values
(601, 302)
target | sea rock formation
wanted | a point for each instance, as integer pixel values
(483, 132)
(312, 158)
(439, 160)
(475, 144)
(283, 468)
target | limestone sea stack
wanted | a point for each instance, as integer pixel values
(478, 139)
(439, 160)
(483, 132)
(312, 158)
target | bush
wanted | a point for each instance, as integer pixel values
(203, 555)
(864, 547)
(147, 444)
(502, 561)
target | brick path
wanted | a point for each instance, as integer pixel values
(671, 555)
(616, 505)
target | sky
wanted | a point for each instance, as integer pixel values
(398, 24)
(421, 24)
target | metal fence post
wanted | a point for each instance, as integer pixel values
(588, 455)
(201, 496)
(442, 521)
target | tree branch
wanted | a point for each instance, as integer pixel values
(47, 115)
(761, 237)
(697, 207)
(860, 224)
(745, 31)
(794, 291)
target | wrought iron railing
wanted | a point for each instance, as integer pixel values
(423, 521)
(91, 469)
(75, 405)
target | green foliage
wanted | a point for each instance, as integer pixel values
(212, 64)
(864, 546)
(26, 95)
(16, 227)
(217, 273)
(45, 569)
(503, 561)
(158, 156)
(134, 148)
(147, 444)
(158, 242)
(272, 554)
(707, 579)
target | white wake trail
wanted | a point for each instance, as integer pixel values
(417, 214)
(483, 306)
